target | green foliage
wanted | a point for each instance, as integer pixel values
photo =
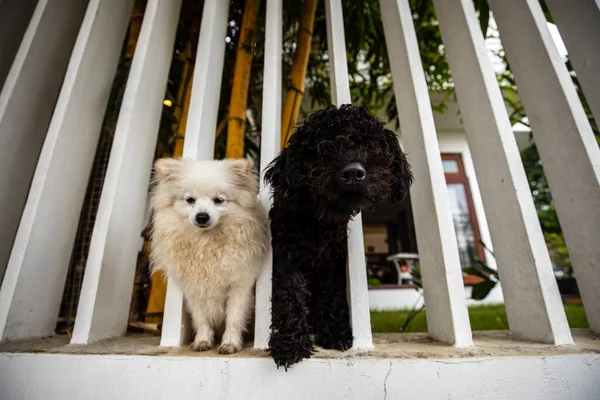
(576, 317)
(481, 290)
(558, 251)
(482, 318)
(373, 282)
(368, 65)
(484, 15)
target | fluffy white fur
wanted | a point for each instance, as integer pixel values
(216, 262)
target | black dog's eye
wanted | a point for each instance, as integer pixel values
(218, 200)
(190, 200)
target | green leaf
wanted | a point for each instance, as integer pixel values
(483, 266)
(416, 277)
(546, 11)
(374, 282)
(481, 290)
(484, 16)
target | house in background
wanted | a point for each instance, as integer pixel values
(390, 229)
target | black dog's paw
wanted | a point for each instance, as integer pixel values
(286, 351)
(287, 359)
(335, 340)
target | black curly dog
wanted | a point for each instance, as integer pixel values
(341, 160)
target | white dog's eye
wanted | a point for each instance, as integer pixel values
(190, 200)
(218, 200)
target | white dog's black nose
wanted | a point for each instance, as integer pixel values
(353, 173)
(202, 218)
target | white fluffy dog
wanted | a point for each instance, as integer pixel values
(209, 234)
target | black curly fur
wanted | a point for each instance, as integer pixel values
(309, 221)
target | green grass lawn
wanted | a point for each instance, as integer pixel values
(482, 319)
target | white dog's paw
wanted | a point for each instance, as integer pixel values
(201, 345)
(229, 348)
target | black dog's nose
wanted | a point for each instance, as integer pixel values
(353, 173)
(202, 218)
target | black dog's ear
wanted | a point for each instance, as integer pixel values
(274, 173)
(400, 168)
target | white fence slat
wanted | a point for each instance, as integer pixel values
(563, 136)
(579, 25)
(204, 105)
(336, 46)
(447, 316)
(27, 102)
(33, 286)
(200, 135)
(357, 270)
(176, 325)
(533, 303)
(270, 144)
(108, 281)
(15, 16)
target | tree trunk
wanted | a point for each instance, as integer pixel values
(236, 125)
(295, 86)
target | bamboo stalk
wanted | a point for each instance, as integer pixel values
(135, 25)
(236, 125)
(295, 83)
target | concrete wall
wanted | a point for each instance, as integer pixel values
(90, 377)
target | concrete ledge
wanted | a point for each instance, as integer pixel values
(66, 376)
(403, 366)
(387, 345)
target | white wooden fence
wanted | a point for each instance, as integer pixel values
(35, 275)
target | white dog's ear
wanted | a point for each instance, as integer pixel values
(167, 168)
(243, 173)
(241, 167)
